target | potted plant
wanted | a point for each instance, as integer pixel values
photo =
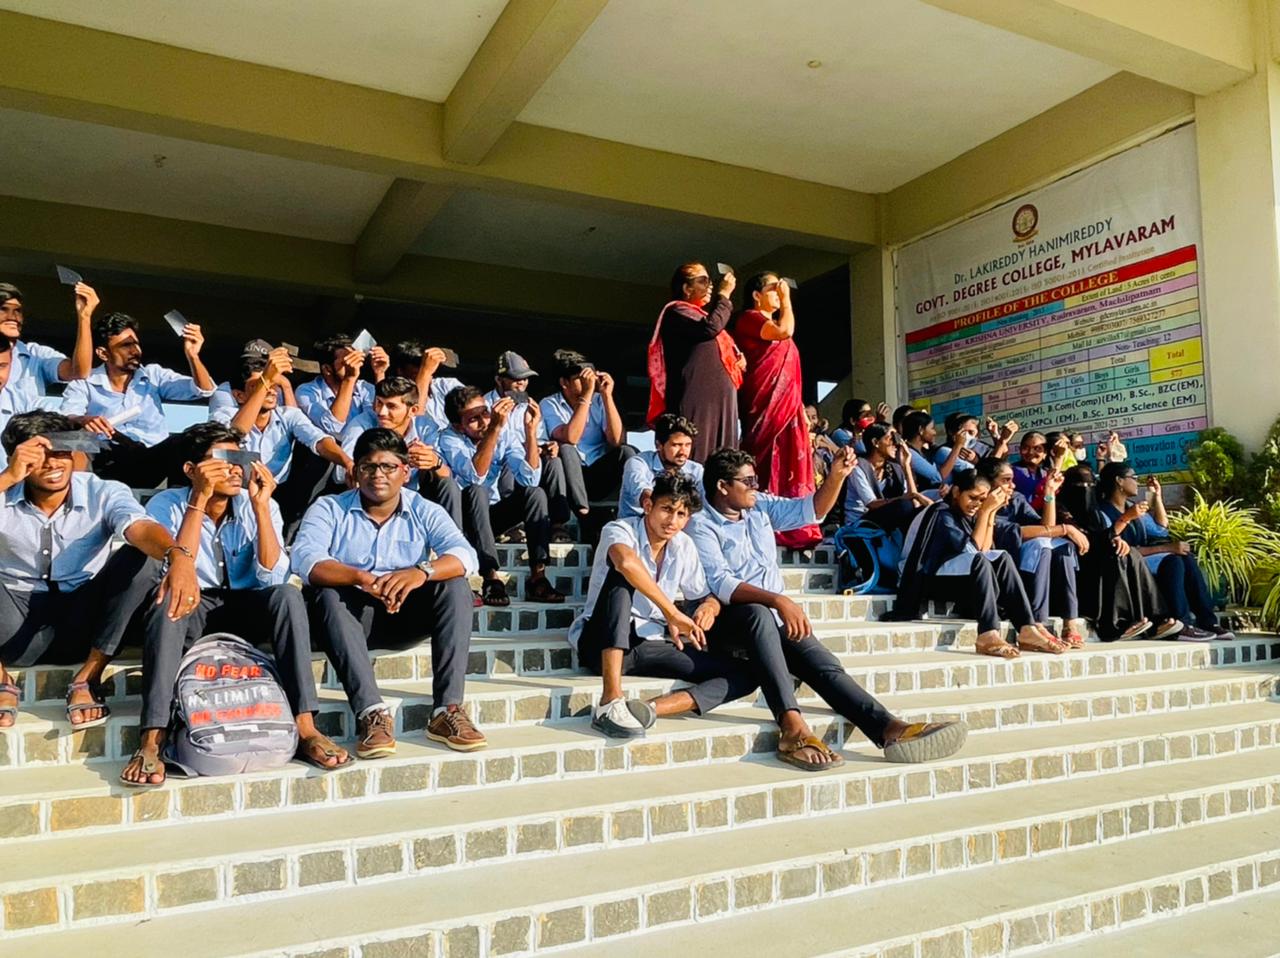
(1229, 543)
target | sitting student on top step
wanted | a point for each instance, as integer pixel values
(142, 454)
(735, 539)
(222, 404)
(299, 455)
(951, 555)
(63, 594)
(35, 366)
(673, 443)
(12, 401)
(396, 406)
(366, 558)
(227, 519)
(338, 393)
(478, 447)
(421, 365)
(631, 624)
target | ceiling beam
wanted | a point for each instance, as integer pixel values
(522, 50)
(89, 238)
(1200, 46)
(99, 77)
(405, 211)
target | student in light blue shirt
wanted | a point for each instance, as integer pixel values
(300, 456)
(65, 597)
(673, 436)
(478, 448)
(338, 393)
(12, 401)
(227, 519)
(381, 560)
(35, 367)
(584, 419)
(123, 400)
(421, 365)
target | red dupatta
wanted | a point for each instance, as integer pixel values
(730, 358)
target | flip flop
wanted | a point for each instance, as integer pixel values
(8, 688)
(494, 593)
(810, 741)
(149, 767)
(927, 742)
(1141, 627)
(328, 749)
(99, 702)
(999, 649)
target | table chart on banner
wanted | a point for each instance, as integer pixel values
(1119, 350)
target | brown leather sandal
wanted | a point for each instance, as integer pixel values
(789, 755)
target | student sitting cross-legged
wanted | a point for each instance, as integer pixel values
(299, 455)
(735, 539)
(365, 556)
(64, 597)
(673, 444)
(477, 446)
(631, 624)
(228, 521)
(397, 406)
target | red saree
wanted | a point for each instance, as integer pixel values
(774, 429)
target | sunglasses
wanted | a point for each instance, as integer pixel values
(367, 470)
(751, 482)
(699, 281)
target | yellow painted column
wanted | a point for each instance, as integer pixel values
(875, 349)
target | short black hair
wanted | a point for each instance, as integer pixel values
(397, 386)
(197, 440)
(8, 291)
(956, 420)
(28, 425)
(112, 324)
(849, 411)
(407, 353)
(914, 423)
(962, 480)
(380, 440)
(721, 465)
(989, 467)
(900, 414)
(672, 485)
(248, 366)
(6, 344)
(874, 433)
(569, 363)
(325, 348)
(459, 398)
(668, 424)
(1028, 436)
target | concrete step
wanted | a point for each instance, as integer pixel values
(854, 861)
(571, 555)
(86, 797)
(334, 846)
(42, 733)
(573, 580)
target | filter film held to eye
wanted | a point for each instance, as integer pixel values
(244, 458)
(76, 440)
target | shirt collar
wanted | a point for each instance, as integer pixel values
(98, 376)
(356, 504)
(78, 503)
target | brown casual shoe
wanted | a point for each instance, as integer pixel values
(375, 735)
(453, 728)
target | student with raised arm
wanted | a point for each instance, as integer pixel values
(421, 365)
(673, 437)
(12, 401)
(735, 539)
(299, 455)
(227, 519)
(123, 399)
(478, 447)
(584, 419)
(381, 561)
(396, 406)
(631, 623)
(882, 487)
(919, 432)
(33, 366)
(222, 404)
(338, 393)
(64, 596)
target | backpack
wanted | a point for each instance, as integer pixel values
(230, 713)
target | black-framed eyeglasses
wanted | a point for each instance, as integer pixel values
(751, 482)
(700, 281)
(367, 470)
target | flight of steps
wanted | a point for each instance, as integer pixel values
(1124, 799)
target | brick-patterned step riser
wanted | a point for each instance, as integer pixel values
(208, 878)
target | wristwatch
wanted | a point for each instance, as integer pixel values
(426, 567)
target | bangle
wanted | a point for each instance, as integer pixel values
(176, 548)
(196, 509)
(1049, 498)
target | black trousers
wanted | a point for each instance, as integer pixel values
(137, 466)
(276, 614)
(1185, 591)
(1051, 587)
(992, 587)
(777, 659)
(525, 504)
(309, 477)
(715, 677)
(600, 480)
(1116, 591)
(552, 483)
(61, 627)
(894, 516)
(345, 619)
(444, 491)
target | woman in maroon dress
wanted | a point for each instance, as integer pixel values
(774, 428)
(694, 367)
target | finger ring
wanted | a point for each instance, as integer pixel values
(191, 598)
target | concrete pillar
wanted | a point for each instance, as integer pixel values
(875, 347)
(1238, 142)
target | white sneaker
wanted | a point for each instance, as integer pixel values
(616, 720)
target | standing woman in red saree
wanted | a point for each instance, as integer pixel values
(694, 367)
(774, 428)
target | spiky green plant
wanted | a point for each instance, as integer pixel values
(1228, 540)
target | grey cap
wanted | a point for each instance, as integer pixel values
(255, 347)
(513, 366)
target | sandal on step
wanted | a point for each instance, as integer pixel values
(998, 648)
(99, 702)
(835, 760)
(541, 590)
(493, 592)
(1044, 643)
(927, 742)
(8, 688)
(327, 750)
(148, 766)
(1072, 639)
(1141, 627)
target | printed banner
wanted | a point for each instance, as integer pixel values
(1074, 307)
